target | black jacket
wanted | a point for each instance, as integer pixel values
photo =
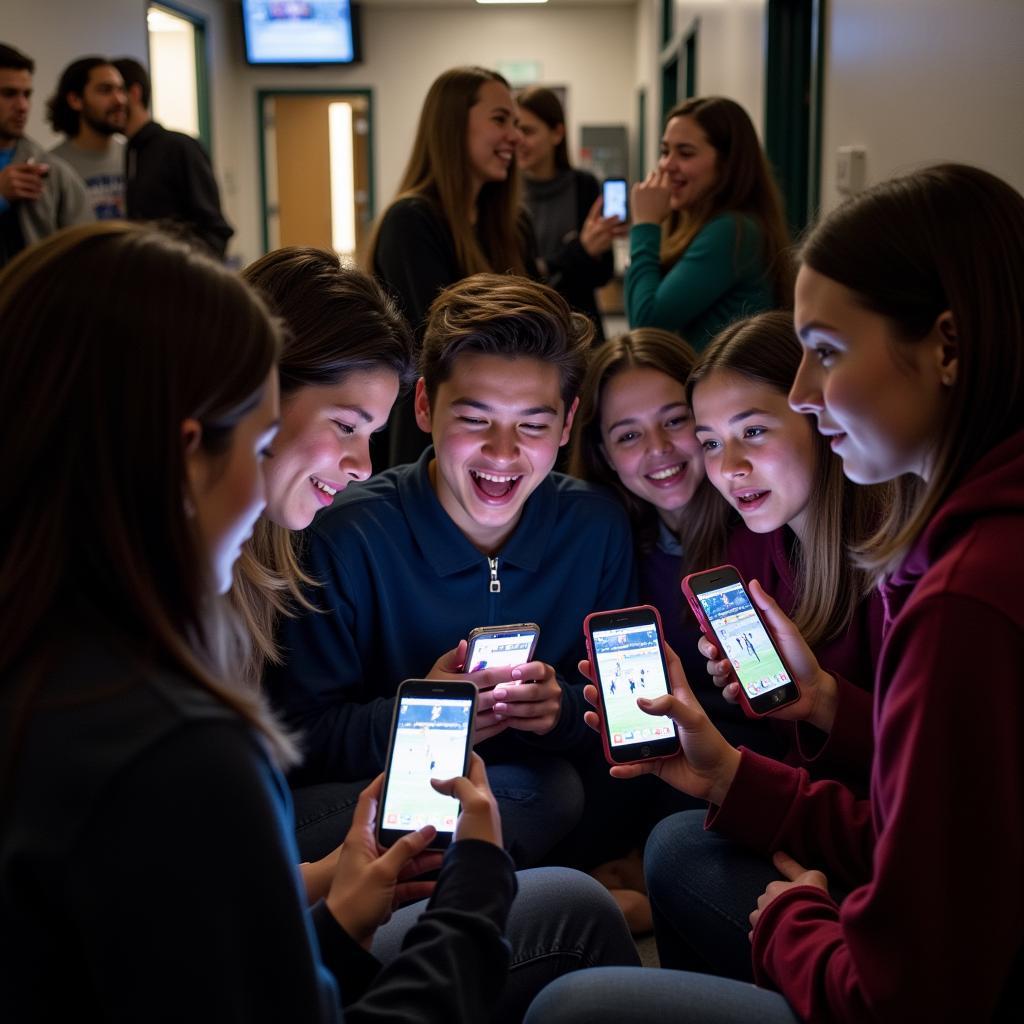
(169, 177)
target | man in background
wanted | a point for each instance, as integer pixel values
(37, 195)
(90, 108)
(169, 176)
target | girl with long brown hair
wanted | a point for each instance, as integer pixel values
(457, 211)
(709, 240)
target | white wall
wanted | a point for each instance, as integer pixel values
(924, 80)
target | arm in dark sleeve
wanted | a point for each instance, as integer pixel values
(572, 266)
(204, 198)
(185, 882)
(454, 960)
(415, 257)
(322, 688)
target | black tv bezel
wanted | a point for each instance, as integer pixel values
(355, 17)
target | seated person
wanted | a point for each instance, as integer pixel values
(479, 531)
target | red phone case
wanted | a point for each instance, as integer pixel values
(706, 629)
(600, 692)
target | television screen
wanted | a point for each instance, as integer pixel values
(299, 32)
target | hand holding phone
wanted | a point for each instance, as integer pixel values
(706, 764)
(625, 650)
(723, 606)
(431, 738)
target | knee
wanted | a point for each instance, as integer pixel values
(671, 844)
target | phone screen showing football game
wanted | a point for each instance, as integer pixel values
(501, 650)
(431, 741)
(744, 640)
(629, 665)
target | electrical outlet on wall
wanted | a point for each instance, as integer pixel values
(851, 169)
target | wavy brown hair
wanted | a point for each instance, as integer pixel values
(947, 238)
(704, 526)
(828, 586)
(113, 336)
(744, 184)
(438, 171)
(339, 322)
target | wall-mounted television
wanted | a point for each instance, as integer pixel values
(301, 31)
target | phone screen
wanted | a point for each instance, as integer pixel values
(629, 665)
(500, 650)
(430, 742)
(744, 639)
(615, 198)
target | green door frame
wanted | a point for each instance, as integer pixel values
(793, 102)
(262, 94)
(198, 22)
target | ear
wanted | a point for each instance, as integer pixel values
(75, 101)
(558, 134)
(947, 348)
(195, 464)
(567, 429)
(421, 406)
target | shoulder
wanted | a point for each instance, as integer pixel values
(591, 506)
(411, 210)
(586, 183)
(368, 510)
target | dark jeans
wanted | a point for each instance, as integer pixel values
(702, 890)
(540, 797)
(629, 995)
(561, 921)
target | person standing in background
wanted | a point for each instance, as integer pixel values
(709, 241)
(573, 237)
(37, 195)
(90, 107)
(457, 213)
(168, 174)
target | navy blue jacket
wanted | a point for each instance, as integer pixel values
(401, 585)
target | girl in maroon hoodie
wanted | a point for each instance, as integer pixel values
(910, 307)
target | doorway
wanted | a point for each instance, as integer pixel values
(316, 169)
(178, 70)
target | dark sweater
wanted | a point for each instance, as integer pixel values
(147, 872)
(402, 585)
(169, 177)
(570, 268)
(933, 927)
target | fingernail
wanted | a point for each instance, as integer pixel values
(644, 702)
(517, 673)
(500, 709)
(500, 695)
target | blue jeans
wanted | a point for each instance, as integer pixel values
(561, 921)
(703, 888)
(540, 797)
(629, 995)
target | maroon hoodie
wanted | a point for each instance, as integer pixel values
(933, 927)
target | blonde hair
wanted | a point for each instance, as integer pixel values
(438, 171)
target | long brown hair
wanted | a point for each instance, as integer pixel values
(113, 335)
(949, 237)
(828, 585)
(438, 171)
(545, 105)
(703, 532)
(339, 322)
(744, 184)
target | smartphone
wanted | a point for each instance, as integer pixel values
(722, 604)
(431, 738)
(625, 649)
(501, 646)
(615, 192)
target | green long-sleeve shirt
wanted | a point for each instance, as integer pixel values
(713, 283)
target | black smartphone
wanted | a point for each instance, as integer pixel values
(501, 646)
(431, 738)
(625, 649)
(615, 193)
(722, 604)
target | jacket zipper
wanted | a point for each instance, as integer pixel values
(495, 586)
